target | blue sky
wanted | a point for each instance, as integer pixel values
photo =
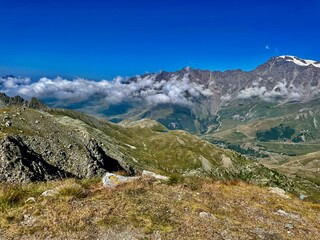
(103, 39)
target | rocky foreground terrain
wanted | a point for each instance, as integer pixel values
(180, 208)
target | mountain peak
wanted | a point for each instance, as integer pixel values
(300, 61)
(187, 68)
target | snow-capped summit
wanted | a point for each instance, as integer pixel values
(299, 61)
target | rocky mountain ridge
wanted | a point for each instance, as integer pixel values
(6, 101)
(192, 99)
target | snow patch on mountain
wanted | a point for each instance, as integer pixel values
(299, 61)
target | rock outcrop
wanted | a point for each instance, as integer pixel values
(19, 163)
(35, 146)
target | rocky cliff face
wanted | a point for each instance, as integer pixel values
(20, 163)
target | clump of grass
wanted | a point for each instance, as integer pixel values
(175, 178)
(71, 189)
(91, 182)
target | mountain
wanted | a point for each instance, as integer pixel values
(44, 143)
(188, 99)
(192, 99)
(229, 108)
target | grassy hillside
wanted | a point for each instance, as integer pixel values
(83, 146)
(174, 152)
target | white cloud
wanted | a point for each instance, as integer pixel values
(147, 88)
(158, 98)
(225, 98)
(12, 82)
(254, 91)
(279, 91)
(267, 47)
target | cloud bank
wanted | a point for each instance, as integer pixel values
(175, 90)
(150, 89)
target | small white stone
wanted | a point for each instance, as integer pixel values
(50, 193)
(146, 173)
(30, 200)
(111, 180)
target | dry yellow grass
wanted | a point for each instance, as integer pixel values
(146, 209)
